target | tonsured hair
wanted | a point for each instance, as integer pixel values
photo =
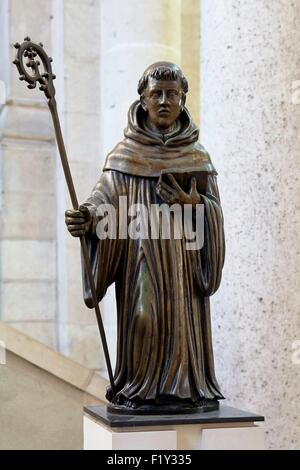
(162, 71)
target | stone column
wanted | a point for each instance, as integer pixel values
(132, 37)
(250, 123)
(28, 263)
(190, 53)
(81, 58)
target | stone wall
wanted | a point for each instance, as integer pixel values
(250, 123)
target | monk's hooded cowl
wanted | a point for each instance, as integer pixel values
(144, 153)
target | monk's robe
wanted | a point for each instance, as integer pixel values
(164, 340)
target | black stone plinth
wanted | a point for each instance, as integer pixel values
(225, 414)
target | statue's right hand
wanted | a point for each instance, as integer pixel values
(78, 221)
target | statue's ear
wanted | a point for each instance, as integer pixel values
(143, 103)
(183, 100)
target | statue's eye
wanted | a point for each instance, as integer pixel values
(155, 94)
(172, 93)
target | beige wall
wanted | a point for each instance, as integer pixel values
(38, 411)
(42, 395)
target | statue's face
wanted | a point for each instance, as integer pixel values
(164, 101)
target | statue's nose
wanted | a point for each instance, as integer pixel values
(163, 98)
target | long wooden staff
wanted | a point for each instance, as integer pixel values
(32, 74)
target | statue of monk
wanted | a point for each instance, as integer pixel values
(164, 340)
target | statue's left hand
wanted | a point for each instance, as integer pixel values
(174, 194)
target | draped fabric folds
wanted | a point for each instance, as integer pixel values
(164, 345)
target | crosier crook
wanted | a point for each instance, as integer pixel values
(33, 52)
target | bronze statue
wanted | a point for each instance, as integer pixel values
(164, 347)
(163, 282)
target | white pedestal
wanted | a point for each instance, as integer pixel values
(238, 435)
(98, 437)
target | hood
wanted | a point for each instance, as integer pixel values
(143, 153)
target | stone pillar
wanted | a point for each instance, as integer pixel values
(250, 123)
(81, 51)
(190, 53)
(28, 263)
(132, 37)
